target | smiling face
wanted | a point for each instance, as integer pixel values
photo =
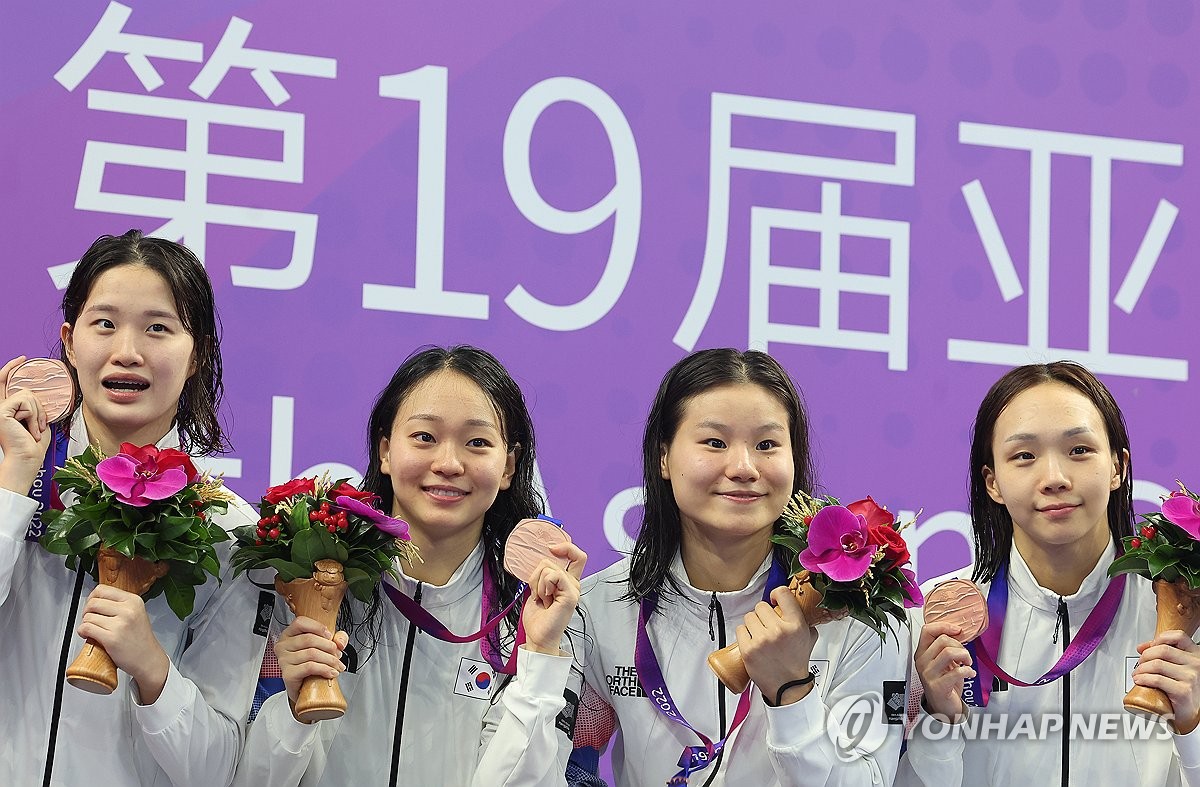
(446, 456)
(730, 462)
(132, 356)
(1053, 469)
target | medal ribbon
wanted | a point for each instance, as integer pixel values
(44, 490)
(424, 619)
(649, 671)
(1091, 633)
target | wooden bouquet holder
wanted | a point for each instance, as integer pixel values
(93, 670)
(727, 662)
(319, 598)
(1178, 607)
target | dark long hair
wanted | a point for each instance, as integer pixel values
(993, 525)
(520, 501)
(196, 417)
(659, 536)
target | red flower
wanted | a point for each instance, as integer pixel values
(875, 514)
(297, 486)
(162, 458)
(895, 550)
(345, 490)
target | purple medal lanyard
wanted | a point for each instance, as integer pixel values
(424, 620)
(1091, 634)
(645, 660)
(44, 490)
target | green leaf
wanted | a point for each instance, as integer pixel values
(792, 544)
(174, 527)
(210, 564)
(289, 570)
(122, 544)
(1158, 563)
(306, 547)
(180, 597)
(300, 518)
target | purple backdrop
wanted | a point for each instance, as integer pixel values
(898, 203)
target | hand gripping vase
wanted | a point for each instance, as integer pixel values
(1178, 607)
(727, 662)
(319, 598)
(93, 670)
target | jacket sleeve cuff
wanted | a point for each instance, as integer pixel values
(289, 733)
(176, 696)
(15, 512)
(934, 739)
(799, 722)
(1187, 747)
(541, 674)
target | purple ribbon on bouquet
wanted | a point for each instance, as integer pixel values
(1091, 634)
(645, 660)
(44, 490)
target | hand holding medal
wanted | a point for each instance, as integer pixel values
(34, 392)
(955, 613)
(541, 554)
(48, 380)
(958, 602)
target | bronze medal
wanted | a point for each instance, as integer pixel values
(528, 543)
(50, 382)
(960, 602)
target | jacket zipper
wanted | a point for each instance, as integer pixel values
(714, 609)
(403, 694)
(62, 668)
(1064, 623)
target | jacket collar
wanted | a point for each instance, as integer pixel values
(1022, 582)
(79, 436)
(734, 603)
(466, 579)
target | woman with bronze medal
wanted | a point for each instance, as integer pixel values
(139, 336)
(1037, 697)
(725, 448)
(451, 453)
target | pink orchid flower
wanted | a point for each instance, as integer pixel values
(838, 545)
(1184, 511)
(913, 597)
(396, 528)
(140, 480)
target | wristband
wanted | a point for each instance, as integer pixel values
(790, 684)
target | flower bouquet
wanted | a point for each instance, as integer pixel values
(1166, 551)
(322, 538)
(141, 522)
(846, 560)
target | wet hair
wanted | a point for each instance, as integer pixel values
(196, 417)
(659, 537)
(521, 500)
(992, 523)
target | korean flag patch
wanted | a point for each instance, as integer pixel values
(474, 679)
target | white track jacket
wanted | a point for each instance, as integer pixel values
(859, 676)
(423, 701)
(190, 735)
(1081, 712)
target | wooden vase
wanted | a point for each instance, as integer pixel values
(319, 598)
(1178, 607)
(93, 670)
(727, 662)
